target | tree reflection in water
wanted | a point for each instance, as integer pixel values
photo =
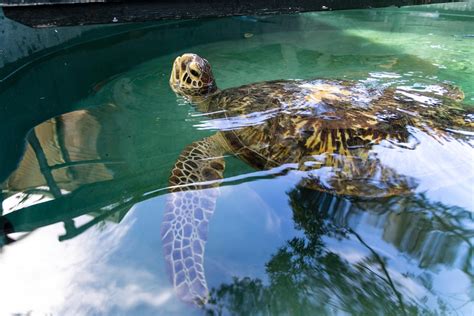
(305, 277)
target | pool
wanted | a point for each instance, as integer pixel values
(92, 131)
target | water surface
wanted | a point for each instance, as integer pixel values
(90, 187)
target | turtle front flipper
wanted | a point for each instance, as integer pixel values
(189, 207)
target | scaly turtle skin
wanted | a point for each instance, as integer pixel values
(327, 128)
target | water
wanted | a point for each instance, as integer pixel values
(93, 216)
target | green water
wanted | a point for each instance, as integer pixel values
(89, 186)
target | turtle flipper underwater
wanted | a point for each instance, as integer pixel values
(188, 210)
(330, 129)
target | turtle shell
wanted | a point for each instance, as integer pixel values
(334, 130)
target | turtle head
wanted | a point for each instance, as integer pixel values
(192, 77)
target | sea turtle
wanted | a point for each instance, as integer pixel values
(327, 128)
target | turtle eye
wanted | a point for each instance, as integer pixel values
(194, 73)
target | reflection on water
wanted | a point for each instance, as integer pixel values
(97, 178)
(332, 267)
(68, 151)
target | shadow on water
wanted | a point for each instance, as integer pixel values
(307, 277)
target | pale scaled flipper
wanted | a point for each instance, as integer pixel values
(194, 189)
